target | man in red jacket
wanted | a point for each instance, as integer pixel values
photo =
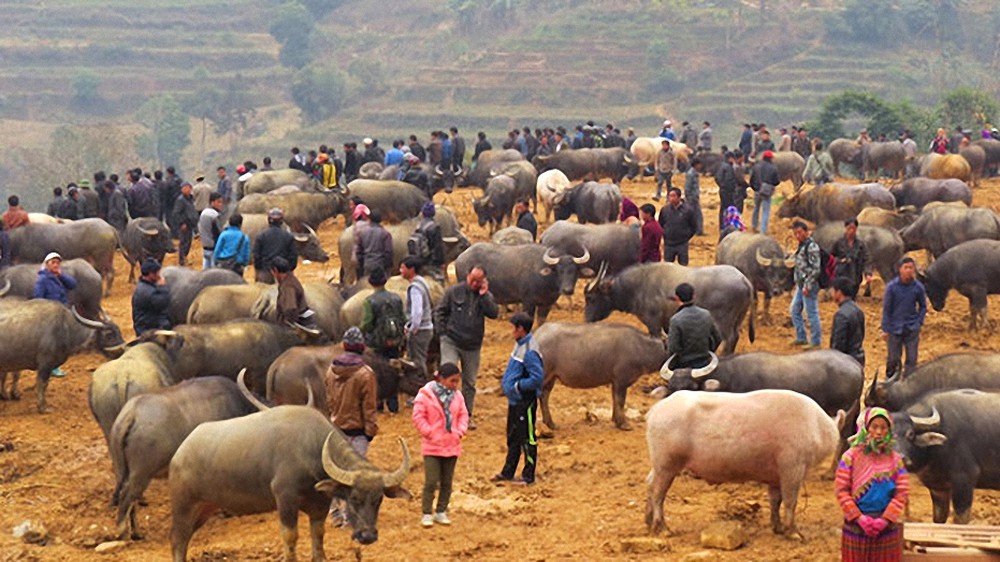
(652, 235)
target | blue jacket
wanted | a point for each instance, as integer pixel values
(522, 380)
(903, 307)
(393, 157)
(228, 243)
(53, 287)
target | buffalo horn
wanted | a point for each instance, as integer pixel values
(548, 259)
(764, 262)
(241, 382)
(311, 400)
(345, 477)
(105, 317)
(92, 324)
(449, 239)
(6, 288)
(601, 272)
(928, 423)
(627, 159)
(396, 477)
(790, 262)
(666, 373)
(148, 231)
(584, 258)
(303, 329)
(438, 171)
(310, 230)
(705, 371)
(301, 238)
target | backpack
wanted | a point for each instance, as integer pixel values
(827, 268)
(418, 245)
(390, 322)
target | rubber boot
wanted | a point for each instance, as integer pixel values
(40, 386)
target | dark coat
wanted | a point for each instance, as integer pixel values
(273, 242)
(527, 221)
(679, 224)
(149, 307)
(692, 336)
(848, 335)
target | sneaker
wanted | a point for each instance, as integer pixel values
(58, 373)
(472, 425)
(427, 521)
(441, 518)
(497, 478)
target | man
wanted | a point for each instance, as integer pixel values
(525, 219)
(15, 216)
(852, 257)
(117, 211)
(417, 149)
(275, 241)
(725, 178)
(232, 248)
(374, 246)
(150, 299)
(667, 131)
(89, 202)
(394, 157)
(170, 190)
(185, 218)
(764, 142)
(807, 270)
(427, 244)
(909, 145)
(56, 204)
(764, 179)
(742, 185)
(326, 172)
(955, 141)
(679, 225)
(446, 149)
(785, 144)
(904, 307)
(225, 186)
(411, 172)
(482, 145)
(457, 149)
(746, 139)
(297, 161)
(373, 152)
(143, 199)
(522, 383)
(560, 142)
(848, 332)
(52, 284)
(383, 322)
(208, 229)
(419, 313)
(819, 166)
(266, 167)
(665, 162)
(290, 305)
(801, 144)
(705, 137)
(435, 150)
(69, 207)
(689, 136)
(692, 193)
(459, 319)
(201, 191)
(351, 392)
(651, 235)
(629, 138)
(352, 161)
(692, 337)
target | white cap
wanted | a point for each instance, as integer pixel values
(246, 176)
(368, 140)
(52, 256)
(666, 123)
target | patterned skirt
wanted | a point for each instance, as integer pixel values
(856, 546)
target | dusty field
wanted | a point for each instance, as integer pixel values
(589, 496)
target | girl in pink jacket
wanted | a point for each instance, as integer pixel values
(440, 416)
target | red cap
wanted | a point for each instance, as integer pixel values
(768, 155)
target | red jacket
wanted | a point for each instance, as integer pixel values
(428, 417)
(649, 247)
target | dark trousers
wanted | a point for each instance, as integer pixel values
(679, 251)
(183, 245)
(392, 400)
(521, 437)
(908, 340)
(439, 473)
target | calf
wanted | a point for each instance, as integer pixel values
(973, 269)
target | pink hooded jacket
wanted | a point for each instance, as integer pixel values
(428, 417)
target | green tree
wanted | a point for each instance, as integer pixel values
(233, 112)
(291, 25)
(318, 91)
(168, 130)
(882, 116)
(967, 107)
(202, 104)
(320, 8)
(84, 87)
(865, 21)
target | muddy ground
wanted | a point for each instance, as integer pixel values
(590, 492)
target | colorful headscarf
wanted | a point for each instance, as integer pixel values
(733, 219)
(862, 437)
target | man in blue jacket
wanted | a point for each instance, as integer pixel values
(522, 383)
(904, 307)
(52, 283)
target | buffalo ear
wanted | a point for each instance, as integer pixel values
(712, 385)
(327, 486)
(545, 271)
(587, 272)
(930, 439)
(398, 492)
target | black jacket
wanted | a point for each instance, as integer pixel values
(527, 221)
(692, 336)
(679, 224)
(725, 178)
(183, 212)
(848, 334)
(149, 307)
(460, 315)
(273, 242)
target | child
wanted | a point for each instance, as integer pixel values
(440, 416)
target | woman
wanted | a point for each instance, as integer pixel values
(872, 487)
(732, 223)
(940, 143)
(440, 416)
(629, 215)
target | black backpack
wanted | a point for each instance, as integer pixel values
(827, 268)
(418, 245)
(390, 322)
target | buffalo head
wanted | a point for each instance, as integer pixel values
(776, 273)
(567, 269)
(916, 434)
(307, 245)
(108, 336)
(688, 378)
(597, 294)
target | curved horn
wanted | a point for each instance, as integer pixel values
(584, 258)
(438, 171)
(928, 423)
(396, 477)
(148, 231)
(601, 272)
(310, 230)
(548, 259)
(666, 373)
(449, 239)
(105, 317)
(311, 400)
(301, 238)
(345, 477)
(627, 159)
(241, 382)
(707, 369)
(300, 328)
(764, 262)
(92, 324)
(6, 288)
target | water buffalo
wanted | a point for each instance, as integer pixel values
(289, 458)
(885, 156)
(761, 259)
(91, 239)
(145, 237)
(614, 354)
(324, 299)
(301, 208)
(86, 297)
(836, 202)
(223, 303)
(885, 246)
(941, 227)
(588, 163)
(845, 151)
(894, 220)
(496, 206)
(151, 427)
(551, 187)
(976, 157)
(371, 170)
(512, 236)
(531, 274)
(395, 200)
(307, 244)
(487, 164)
(918, 192)
(524, 175)
(591, 202)
(940, 167)
(42, 218)
(790, 166)
(41, 334)
(973, 269)
(438, 178)
(647, 291)
(645, 149)
(264, 182)
(768, 436)
(614, 244)
(950, 441)
(185, 284)
(991, 152)
(955, 370)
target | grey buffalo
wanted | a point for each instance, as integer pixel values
(588, 163)
(593, 355)
(152, 426)
(496, 206)
(945, 226)
(918, 192)
(395, 200)
(145, 237)
(761, 259)
(894, 220)
(647, 291)
(525, 178)
(323, 299)
(307, 244)
(617, 245)
(976, 157)
(845, 151)
(790, 166)
(973, 269)
(267, 181)
(487, 165)
(371, 170)
(885, 246)
(185, 284)
(591, 202)
(91, 239)
(300, 208)
(949, 440)
(512, 236)
(955, 370)
(531, 275)
(836, 202)
(86, 297)
(884, 156)
(288, 459)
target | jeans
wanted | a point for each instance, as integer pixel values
(438, 472)
(761, 205)
(811, 303)
(679, 251)
(207, 259)
(909, 340)
(661, 179)
(469, 358)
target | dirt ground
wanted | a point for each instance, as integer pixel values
(590, 493)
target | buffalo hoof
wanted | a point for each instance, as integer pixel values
(624, 426)
(794, 535)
